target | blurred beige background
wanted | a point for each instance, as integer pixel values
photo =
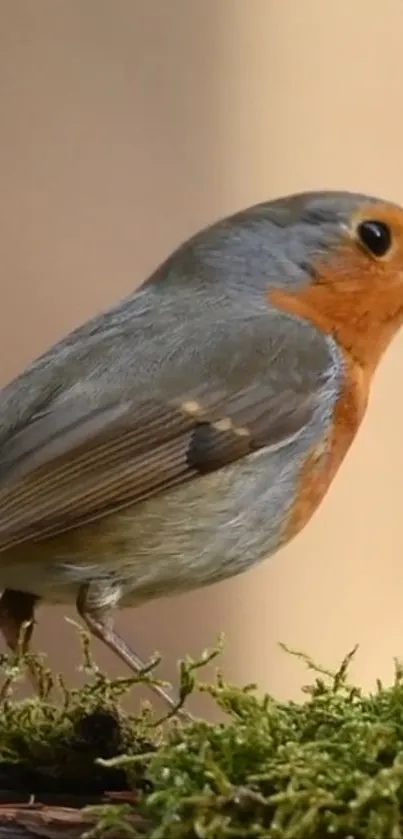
(125, 126)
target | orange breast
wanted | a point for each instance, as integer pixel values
(323, 462)
(358, 301)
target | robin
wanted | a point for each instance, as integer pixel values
(192, 430)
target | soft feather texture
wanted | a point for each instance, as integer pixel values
(101, 421)
(71, 470)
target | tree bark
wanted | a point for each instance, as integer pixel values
(33, 820)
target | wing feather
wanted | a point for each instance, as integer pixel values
(75, 469)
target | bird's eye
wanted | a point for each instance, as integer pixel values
(375, 236)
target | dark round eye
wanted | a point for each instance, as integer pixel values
(376, 236)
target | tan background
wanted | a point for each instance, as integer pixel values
(125, 126)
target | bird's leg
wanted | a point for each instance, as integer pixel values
(17, 615)
(101, 627)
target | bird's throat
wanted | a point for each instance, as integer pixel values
(363, 322)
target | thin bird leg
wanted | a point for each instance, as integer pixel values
(100, 627)
(17, 616)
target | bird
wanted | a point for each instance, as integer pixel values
(194, 428)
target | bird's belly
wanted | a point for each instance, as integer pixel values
(209, 529)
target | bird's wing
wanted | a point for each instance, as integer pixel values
(69, 465)
(144, 398)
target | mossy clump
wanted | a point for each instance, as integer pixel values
(331, 765)
(51, 745)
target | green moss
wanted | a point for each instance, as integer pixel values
(329, 766)
(50, 745)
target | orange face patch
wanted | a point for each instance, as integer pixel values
(355, 297)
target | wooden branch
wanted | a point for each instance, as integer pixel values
(37, 820)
